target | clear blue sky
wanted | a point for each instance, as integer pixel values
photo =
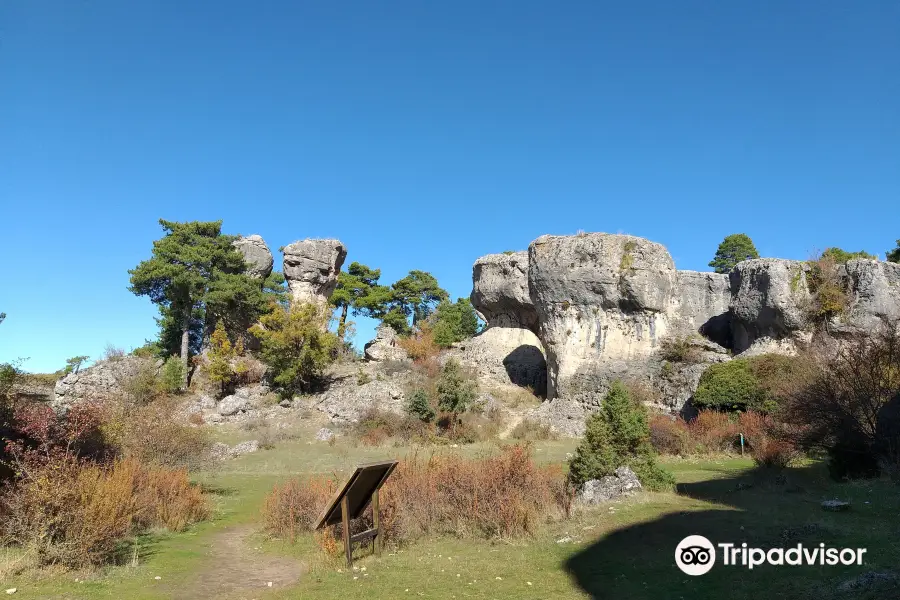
(426, 134)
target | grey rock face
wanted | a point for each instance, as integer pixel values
(611, 487)
(701, 305)
(384, 346)
(602, 299)
(311, 269)
(105, 381)
(563, 416)
(508, 349)
(256, 254)
(874, 292)
(346, 402)
(768, 299)
(500, 290)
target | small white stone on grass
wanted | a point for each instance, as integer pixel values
(269, 584)
(12, 590)
(157, 577)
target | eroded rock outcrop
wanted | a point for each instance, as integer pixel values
(603, 301)
(311, 269)
(108, 380)
(768, 300)
(384, 346)
(508, 350)
(873, 290)
(256, 254)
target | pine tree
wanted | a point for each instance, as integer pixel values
(733, 249)
(455, 391)
(454, 322)
(220, 357)
(420, 407)
(894, 255)
(618, 435)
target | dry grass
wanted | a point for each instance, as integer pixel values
(713, 432)
(501, 496)
(77, 514)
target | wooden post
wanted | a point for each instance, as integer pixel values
(345, 523)
(376, 520)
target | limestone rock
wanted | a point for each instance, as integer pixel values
(384, 346)
(346, 401)
(701, 305)
(324, 435)
(500, 290)
(256, 254)
(768, 297)
(233, 404)
(508, 350)
(602, 300)
(563, 416)
(107, 380)
(873, 288)
(311, 269)
(611, 487)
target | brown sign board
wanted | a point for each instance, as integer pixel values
(365, 481)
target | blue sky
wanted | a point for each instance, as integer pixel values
(426, 134)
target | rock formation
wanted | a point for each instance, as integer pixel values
(605, 302)
(873, 289)
(384, 346)
(508, 349)
(256, 254)
(311, 269)
(107, 380)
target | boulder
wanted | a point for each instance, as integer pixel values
(256, 254)
(611, 487)
(324, 435)
(107, 380)
(311, 269)
(233, 404)
(384, 346)
(346, 401)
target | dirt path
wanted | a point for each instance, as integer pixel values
(235, 570)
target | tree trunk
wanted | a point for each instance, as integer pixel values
(185, 343)
(342, 322)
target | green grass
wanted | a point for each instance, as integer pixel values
(622, 550)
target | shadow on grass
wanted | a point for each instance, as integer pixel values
(218, 490)
(765, 509)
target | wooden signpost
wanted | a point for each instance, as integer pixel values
(352, 500)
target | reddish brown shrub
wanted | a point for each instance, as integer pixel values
(670, 435)
(420, 346)
(76, 514)
(500, 496)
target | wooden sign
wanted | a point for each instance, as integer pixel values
(351, 501)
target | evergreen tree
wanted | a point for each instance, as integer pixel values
(618, 435)
(455, 391)
(221, 355)
(733, 249)
(894, 255)
(417, 295)
(197, 278)
(358, 290)
(296, 345)
(420, 407)
(73, 365)
(454, 322)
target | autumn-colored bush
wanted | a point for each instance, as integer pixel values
(670, 435)
(500, 496)
(776, 453)
(420, 346)
(75, 513)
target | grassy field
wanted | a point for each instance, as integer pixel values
(621, 550)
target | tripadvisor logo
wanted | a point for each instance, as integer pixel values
(696, 555)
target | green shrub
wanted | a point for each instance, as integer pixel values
(731, 385)
(618, 435)
(454, 389)
(419, 406)
(296, 345)
(171, 375)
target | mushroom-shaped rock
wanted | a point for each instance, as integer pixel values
(311, 269)
(500, 290)
(256, 254)
(603, 302)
